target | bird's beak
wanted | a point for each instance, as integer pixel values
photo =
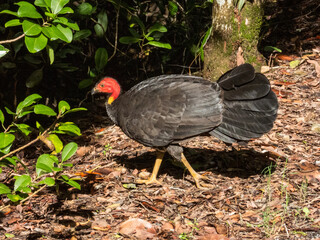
(94, 91)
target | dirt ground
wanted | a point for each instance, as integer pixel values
(267, 189)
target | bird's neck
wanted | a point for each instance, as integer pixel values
(112, 110)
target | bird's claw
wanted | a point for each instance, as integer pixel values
(197, 178)
(149, 181)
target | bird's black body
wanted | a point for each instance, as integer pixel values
(162, 111)
(167, 109)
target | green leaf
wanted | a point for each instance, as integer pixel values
(294, 64)
(9, 160)
(72, 183)
(129, 40)
(157, 27)
(68, 151)
(101, 27)
(14, 198)
(68, 128)
(9, 235)
(67, 165)
(82, 34)
(45, 163)
(50, 53)
(9, 111)
(31, 28)
(28, 101)
(101, 58)
(57, 5)
(35, 78)
(24, 128)
(160, 44)
(4, 189)
(63, 106)
(271, 49)
(10, 12)
(41, 3)
(27, 10)
(85, 8)
(6, 139)
(76, 110)
(3, 51)
(85, 83)
(66, 10)
(204, 42)
(66, 22)
(13, 23)
(58, 145)
(21, 182)
(139, 22)
(44, 110)
(241, 4)
(1, 117)
(49, 181)
(9, 65)
(36, 43)
(173, 8)
(67, 33)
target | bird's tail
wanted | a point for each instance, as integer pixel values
(250, 106)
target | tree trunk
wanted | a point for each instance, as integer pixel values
(234, 37)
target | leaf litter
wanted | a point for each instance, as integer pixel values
(266, 189)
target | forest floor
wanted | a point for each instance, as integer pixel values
(268, 189)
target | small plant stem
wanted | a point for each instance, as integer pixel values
(22, 201)
(20, 148)
(116, 36)
(12, 40)
(33, 141)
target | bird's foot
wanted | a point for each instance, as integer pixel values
(151, 180)
(198, 178)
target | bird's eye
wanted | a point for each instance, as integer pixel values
(102, 85)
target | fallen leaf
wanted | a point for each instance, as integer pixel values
(167, 227)
(294, 64)
(139, 228)
(213, 237)
(284, 57)
(100, 225)
(83, 151)
(316, 66)
(240, 59)
(265, 69)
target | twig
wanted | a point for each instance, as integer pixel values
(33, 141)
(12, 40)
(116, 37)
(22, 201)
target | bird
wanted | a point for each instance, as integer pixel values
(163, 111)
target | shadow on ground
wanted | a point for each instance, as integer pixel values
(242, 163)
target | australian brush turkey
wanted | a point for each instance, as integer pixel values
(162, 111)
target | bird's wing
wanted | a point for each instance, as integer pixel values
(169, 108)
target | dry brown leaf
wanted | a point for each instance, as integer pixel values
(316, 66)
(100, 225)
(139, 228)
(240, 59)
(213, 237)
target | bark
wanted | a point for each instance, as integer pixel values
(234, 37)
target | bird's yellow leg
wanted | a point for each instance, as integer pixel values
(196, 176)
(153, 177)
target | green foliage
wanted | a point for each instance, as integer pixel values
(47, 164)
(145, 37)
(40, 28)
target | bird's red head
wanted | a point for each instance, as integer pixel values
(110, 86)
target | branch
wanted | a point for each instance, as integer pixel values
(12, 40)
(34, 140)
